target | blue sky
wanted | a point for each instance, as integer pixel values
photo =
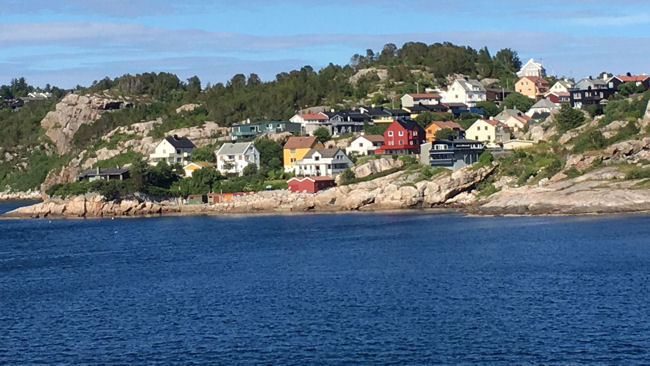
(70, 42)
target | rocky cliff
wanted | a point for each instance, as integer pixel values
(72, 112)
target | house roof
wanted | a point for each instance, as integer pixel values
(560, 94)
(313, 116)
(416, 96)
(300, 142)
(409, 124)
(470, 84)
(446, 124)
(456, 105)
(373, 138)
(179, 142)
(325, 178)
(97, 172)
(326, 153)
(631, 78)
(234, 148)
(544, 103)
(535, 79)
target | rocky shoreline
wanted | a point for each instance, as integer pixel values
(20, 196)
(600, 192)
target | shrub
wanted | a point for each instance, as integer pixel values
(638, 173)
(591, 139)
(485, 158)
(408, 159)
(568, 118)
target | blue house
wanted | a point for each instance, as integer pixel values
(248, 131)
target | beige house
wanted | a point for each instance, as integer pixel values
(532, 86)
(532, 68)
(489, 131)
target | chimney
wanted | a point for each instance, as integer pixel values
(176, 137)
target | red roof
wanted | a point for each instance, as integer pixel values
(425, 95)
(536, 79)
(313, 116)
(493, 122)
(300, 142)
(560, 94)
(631, 78)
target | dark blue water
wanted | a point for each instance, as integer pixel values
(406, 288)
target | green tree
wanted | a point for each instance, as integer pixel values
(204, 153)
(490, 109)
(627, 89)
(445, 134)
(270, 153)
(250, 170)
(519, 101)
(568, 118)
(322, 134)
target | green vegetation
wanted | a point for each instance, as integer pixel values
(322, 134)
(348, 176)
(39, 163)
(542, 161)
(623, 109)
(23, 126)
(568, 118)
(129, 157)
(490, 109)
(445, 134)
(173, 121)
(638, 173)
(204, 153)
(519, 101)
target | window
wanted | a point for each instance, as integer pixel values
(488, 137)
(390, 142)
(390, 133)
(178, 151)
(486, 128)
(293, 160)
(475, 137)
(400, 133)
(292, 151)
(360, 144)
(415, 133)
(401, 142)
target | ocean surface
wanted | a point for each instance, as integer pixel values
(390, 288)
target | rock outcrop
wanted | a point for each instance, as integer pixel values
(600, 191)
(394, 191)
(20, 196)
(92, 206)
(72, 112)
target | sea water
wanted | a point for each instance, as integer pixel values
(379, 288)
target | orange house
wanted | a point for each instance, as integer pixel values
(434, 126)
(532, 86)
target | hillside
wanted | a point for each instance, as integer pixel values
(116, 120)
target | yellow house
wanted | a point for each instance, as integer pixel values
(296, 148)
(194, 166)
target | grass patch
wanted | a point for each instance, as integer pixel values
(370, 177)
(638, 173)
(129, 157)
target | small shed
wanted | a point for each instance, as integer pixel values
(197, 199)
(310, 184)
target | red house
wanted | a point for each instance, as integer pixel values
(309, 184)
(403, 136)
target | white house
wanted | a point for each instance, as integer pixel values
(411, 99)
(490, 131)
(365, 144)
(172, 150)
(468, 92)
(561, 86)
(506, 113)
(232, 158)
(532, 68)
(322, 162)
(310, 122)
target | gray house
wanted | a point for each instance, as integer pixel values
(451, 154)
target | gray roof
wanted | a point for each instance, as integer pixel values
(180, 142)
(544, 103)
(586, 83)
(326, 153)
(234, 148)
(101, 172)
(471, 84)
